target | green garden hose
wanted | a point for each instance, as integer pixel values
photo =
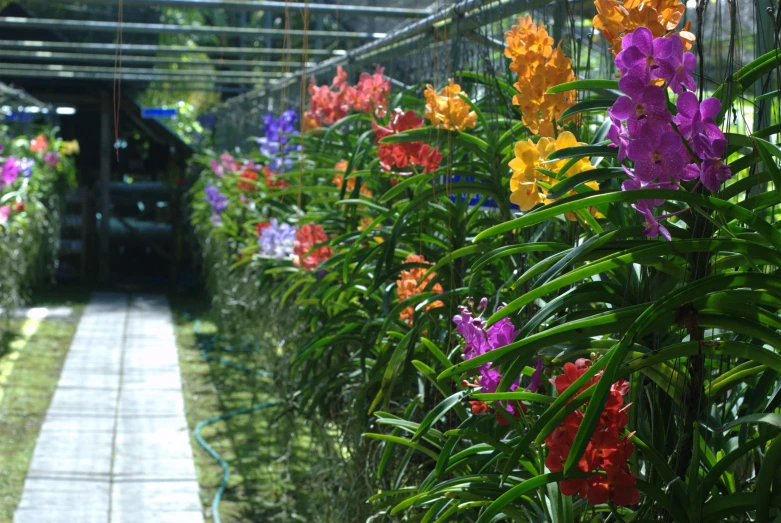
(205, 347)
(213, 453)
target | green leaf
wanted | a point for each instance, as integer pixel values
(582, 201)
(764, 418)
(510, 250)
(744, 78)
(596, 104)
(680, 296)
(403, 441)
(437, 412)
(435, 350)
(727, 461)
(581, 85)
(522, 488)
(571, 183)
(392, 368)
(452, 256)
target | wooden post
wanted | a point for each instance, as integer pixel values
(104, 189)
(176, 247)
(87, 215)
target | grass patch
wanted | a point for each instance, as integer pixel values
(29, 371)
(283, 466)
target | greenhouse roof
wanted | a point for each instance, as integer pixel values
(229, 46)
(233, 47)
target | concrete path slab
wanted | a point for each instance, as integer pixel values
(115, 446)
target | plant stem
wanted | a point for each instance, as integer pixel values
(695, 389)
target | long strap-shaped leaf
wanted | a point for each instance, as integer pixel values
(640, 254)
(582, 201)
(666, 305)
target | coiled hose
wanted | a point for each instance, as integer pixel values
(205, 347)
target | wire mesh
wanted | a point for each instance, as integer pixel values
(729, 35)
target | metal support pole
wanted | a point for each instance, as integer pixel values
(11, 72)
(277, 7)
(159, 49)
(136, 28)
(17, 95)
(104, 184)
(206, 74)
(49, 56)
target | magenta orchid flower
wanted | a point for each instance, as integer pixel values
(502, 333)
(677, 68)
(536, 382)
(217, 168)
(656, 153)
(652, 226)
(10, 171)
(642, 53)
(619, 136)
(479, 340)
(666, 149)
(713, 173)
(644, 104)
(227, 162)
(633, 183)
(695, 123)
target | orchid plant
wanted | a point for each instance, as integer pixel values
(34, 173)
(624, 364)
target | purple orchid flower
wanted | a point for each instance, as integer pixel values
(642, 54)
(713, 173)
(619, 136)
(277, 141)
(502, 333)
(227, 162)
(11, 169)
(472, 330)
(656, 153)
(652, 226)
(27, 165)
(52, 159)
(217, 168)
(478, 341)
(642, 124)
(695, 123)
(536, 382)
(645, 104)
(277, 240)
(691, 172)
(217, 200)
(634, 183)
(677, 68)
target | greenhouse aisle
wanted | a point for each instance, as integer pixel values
(114, 446)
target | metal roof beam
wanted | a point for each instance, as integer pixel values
(208, 73)
(278, 7)
(7, 92)
(136, 28)
(164, 49)
(77, 75)
(50, 56)
(469, 15)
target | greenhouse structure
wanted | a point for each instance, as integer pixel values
(364, 261)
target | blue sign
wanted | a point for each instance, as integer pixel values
(157, 112)
(208, 121)
(473, 199)
(19, 117)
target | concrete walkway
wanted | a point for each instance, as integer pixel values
(114, 447)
